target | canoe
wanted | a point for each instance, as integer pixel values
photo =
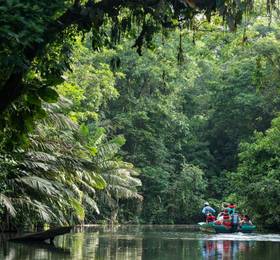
(214, 228)
(247, 228)
(225, 229)
(206, 227)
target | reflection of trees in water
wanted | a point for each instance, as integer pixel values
(134, 243)
(28, 251)
(226, 249)
(119, 244)
(158, 248)
(112, 244)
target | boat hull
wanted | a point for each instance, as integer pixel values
(214, 228)
(206, 227)
(247, 228)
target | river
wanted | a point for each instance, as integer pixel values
(146, 243)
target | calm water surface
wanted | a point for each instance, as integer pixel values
(148, 243)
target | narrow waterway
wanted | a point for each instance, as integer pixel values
(147, 243)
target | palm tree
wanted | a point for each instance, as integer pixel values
(53, 177)
(58, 175)
(120, 176)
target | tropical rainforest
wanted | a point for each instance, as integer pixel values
(138, 111)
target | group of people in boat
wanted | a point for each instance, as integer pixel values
(229, 216)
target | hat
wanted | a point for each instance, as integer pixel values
(206, 203)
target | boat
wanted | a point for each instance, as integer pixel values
(247, 228)
(220, 228)
(207, 227)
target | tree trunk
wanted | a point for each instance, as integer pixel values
(42, 236)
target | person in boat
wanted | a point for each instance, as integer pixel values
(231, 208)
(210, 218)
(246, 221)
(219, 218)
(235, 220)
(226, 218)
(207, 209)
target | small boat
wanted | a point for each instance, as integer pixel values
(206, 227)
(247, 228)
(220, 228)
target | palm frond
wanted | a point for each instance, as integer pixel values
(41, 185)
(7, 203)
(92, 203)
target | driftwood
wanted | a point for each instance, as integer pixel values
(42, 236)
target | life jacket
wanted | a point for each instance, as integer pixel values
(211, 218)
(226, 216)
(226, 219)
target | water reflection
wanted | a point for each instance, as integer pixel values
(145, 243)
(226, 249)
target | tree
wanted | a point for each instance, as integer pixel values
(51, 179)
(187, 98)
(121, 178)
(35, 48)
(91, 85)
(186, 195)
(257, 179)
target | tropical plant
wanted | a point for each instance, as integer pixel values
(53, 177)
(91, 86)
(121, 178)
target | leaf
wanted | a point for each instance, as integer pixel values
(8, 204)
(42, 185)
(84, 130)
(91, 203)
(119, 140)
(79, 210)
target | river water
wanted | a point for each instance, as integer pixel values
(146, 243)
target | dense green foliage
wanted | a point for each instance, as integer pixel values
(111, 135)
(258, 178)
(197, 113)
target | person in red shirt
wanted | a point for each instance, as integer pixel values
(210, 218)
(226, 218)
